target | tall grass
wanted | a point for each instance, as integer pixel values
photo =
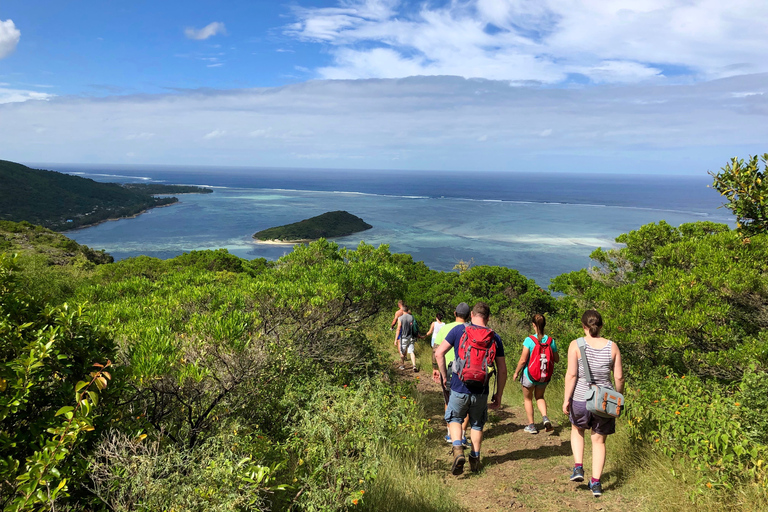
(407, 483)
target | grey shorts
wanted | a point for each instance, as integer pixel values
(582, 418)
(407, 345)
(460, 405)
(527, 383)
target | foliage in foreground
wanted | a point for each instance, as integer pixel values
(743, 185)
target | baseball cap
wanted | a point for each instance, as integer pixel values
(462, 310)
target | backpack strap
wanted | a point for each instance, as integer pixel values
(583, 348)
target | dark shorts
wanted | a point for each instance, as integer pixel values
(582, 418)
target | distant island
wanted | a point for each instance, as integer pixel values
(61, 201)
(327, 225)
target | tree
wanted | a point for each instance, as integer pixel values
(744, 185)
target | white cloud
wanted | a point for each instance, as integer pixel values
(18, 95)
(207, 31)
(215, 134)
(543, 40)
(411, 123)
(9, 37)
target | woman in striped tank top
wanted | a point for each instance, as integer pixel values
(604, 357)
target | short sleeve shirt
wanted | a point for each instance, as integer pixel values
(453, 337)
(530, 345)
(444, 330)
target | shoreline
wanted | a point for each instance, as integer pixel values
(110, 219)
(284, 242)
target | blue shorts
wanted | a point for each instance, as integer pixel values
(461, 404)
(582, 418)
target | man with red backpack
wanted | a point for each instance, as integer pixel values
(537, 361)
(477, 348)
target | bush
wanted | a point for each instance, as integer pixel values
(338, 442)
(683, 416)
(744, 185)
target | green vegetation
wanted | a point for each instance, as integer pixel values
(744, 185)
(327, 225)
(160, 189)
(61, 201)
(241, 385)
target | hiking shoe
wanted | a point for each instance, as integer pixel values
(531, 429)
(448, 438)
(474, 464)
(548, 425)
(458, 460)
(596, 488)
(578, 474)
(415, 370)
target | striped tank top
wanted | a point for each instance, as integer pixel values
(600, 364)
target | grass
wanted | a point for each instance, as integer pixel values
(636, 475)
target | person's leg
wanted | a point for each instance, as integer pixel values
(528, 403)
(577, 444)
(598, 455)
(413, 359)
(477, 439)
(540, 402)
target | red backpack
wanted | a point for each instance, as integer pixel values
(540, 365)
(476, 354)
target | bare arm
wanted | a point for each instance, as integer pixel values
(521, 362)
(440, 352)
(431, 328)
(397, 335)
(556, 357)
(398, 314)
(618, 371)
(571, 375)
(501, 382)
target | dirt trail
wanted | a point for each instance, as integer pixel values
(521, 471)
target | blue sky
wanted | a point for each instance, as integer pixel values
(669, 86)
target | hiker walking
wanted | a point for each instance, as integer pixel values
(406, 337)
(536, 362)
(434, 330)
(398, 314)
(461, 314)
(475, 347)
(603, 357)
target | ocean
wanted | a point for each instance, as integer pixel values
(542, 225)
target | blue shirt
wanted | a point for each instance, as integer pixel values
(454, 337)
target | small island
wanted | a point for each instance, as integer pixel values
(327, 225)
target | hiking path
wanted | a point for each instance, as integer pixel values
(521, 471)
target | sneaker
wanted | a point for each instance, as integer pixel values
(578, 474)
(415, 370)
(448, 438)
(548, 425)
(458, 460)
(402, 368)
(474, 464)
(464, 442)
(531, 429)
(596, 488)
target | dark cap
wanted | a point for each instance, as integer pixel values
(462, 310)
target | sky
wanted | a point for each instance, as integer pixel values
(652, 86)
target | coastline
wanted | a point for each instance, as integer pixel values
(284, 242)
(110, 219)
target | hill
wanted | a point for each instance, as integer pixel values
(327, 225)
(62, 201)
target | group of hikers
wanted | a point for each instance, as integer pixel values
(466, 353)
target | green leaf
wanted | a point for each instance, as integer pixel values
(64, 410)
